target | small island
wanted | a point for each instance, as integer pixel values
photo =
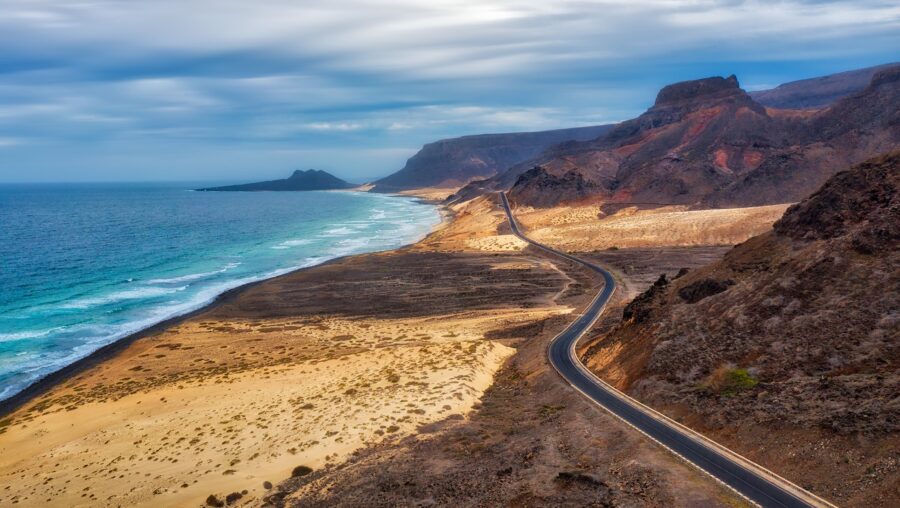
(309, 180)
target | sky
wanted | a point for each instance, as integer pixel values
(224, 90)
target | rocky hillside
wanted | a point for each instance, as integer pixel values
(820, 92)
(708, 144)
(544, 189)
(454, 162)
(308, 180)
(790, 341)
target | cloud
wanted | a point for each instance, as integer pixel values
(9, 142)
(367, 73)
(334, 126)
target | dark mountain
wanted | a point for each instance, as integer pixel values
(818, 92)
(708, 144)
(308, 180)
(793, 334)
(540, 188)
(454, 162)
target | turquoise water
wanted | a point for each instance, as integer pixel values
(84, 265)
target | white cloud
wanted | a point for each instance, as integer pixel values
(334, 126)
(446, 38)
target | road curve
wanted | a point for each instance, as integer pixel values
(751, 481)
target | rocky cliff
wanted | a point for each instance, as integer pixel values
(454, 162)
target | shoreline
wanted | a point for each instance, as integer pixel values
(304, 370)
(322, 367)
(106, 352)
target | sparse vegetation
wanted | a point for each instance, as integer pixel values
(730, 381)
(548, 411)
(301, 471)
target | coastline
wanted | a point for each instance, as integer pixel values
(358, 356)
(108, 351)
(41, 386)
(375, 334)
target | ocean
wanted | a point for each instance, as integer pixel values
(82, 265)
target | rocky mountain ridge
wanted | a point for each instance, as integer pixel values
(708, 144)
(818, 92)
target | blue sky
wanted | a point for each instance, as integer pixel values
(106, 90)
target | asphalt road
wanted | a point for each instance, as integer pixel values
(749, 480)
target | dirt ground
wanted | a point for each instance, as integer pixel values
(530, 441)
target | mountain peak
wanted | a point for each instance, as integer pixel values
(687, 90)
(299, 173)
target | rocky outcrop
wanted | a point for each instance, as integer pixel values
(698, 290)
(692, 90)
(309, 180)
(454, 162)
(641, 308)
(859, 202)
(538, 187)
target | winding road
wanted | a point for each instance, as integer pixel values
(751, 481)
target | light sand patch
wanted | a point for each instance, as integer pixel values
(498, 243)
(585, 228)
(474, 227)
(432, 193)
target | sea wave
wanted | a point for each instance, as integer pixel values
(192, 276)
(28, 334)
(292, 243)
(340, 231)
(350, 246)
(120, 296)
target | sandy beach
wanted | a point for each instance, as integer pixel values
(322, 369)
